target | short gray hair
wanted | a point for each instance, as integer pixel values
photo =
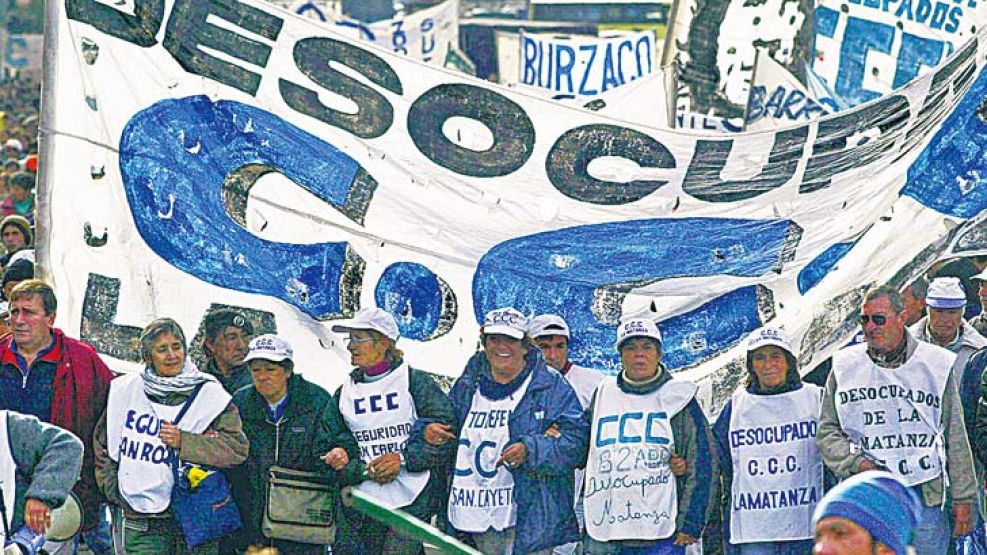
(892, 294)
(156, 329)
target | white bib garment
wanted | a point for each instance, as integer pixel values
(630, 492)
(144, 472)
(583, 382)
(482, 495)
(777, 468)
(895, 414)
(381, 414)
(8, 474)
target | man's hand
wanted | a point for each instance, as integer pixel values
(170, 435)
(336, 458)
(384, 468)
(513, 455)
(964, 519)
(438, 434)
(678, 464)
(866, 465)
(37, 516)
(553, 431)
(684, 539)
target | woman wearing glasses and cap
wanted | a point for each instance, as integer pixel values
(766, 440)
(280, 413)
(379, 415)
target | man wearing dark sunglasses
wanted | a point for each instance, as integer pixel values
(892, 403)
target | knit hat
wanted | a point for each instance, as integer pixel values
(876, 501)
(22, 224)
(21, 270)
(945, 293)
(221, 319)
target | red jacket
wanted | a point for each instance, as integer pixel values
(82, 382)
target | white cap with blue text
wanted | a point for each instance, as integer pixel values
(638, 327)
(505, 321)
(768, 336)
(371, 318)
(945, 293)
(269, 347)
(548, 324)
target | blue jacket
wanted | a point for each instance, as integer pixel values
(543, 485)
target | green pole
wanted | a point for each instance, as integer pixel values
(404, 522)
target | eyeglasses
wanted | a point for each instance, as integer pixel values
(358, 340)
(878, 319)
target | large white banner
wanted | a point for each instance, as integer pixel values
(778, 98)
(585, 66)
(867, 48)
(22, 54)
(228, 153)
(425, 35)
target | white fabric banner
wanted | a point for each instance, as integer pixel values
(865, 49)
(585, 66)
(424, 35)
(229, 153)
(22, 53)
(778, 98)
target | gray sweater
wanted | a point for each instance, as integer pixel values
(834, 445)
(48, 459)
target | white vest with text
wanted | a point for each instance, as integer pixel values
(777, 468)
(894, 415)
(381, 415)
(482, 494)
(630, 492)
(133, 422)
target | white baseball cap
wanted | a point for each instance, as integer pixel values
(371, 318)
(269, 347)
(982, 276)
(14, 143)
(768, 336)
(548, 324)
(505, 321)
(945, 293)
(637, 327)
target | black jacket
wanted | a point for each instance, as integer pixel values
(293, 441)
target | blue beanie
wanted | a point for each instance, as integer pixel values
(876, 501)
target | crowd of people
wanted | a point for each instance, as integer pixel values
(527, 453)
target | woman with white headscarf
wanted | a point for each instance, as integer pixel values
(137, 431)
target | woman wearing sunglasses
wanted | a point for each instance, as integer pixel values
(766, 439)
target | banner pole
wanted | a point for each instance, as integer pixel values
(404, 522)
(46, 142)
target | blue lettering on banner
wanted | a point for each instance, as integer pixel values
(422, 303)
(862, 36)
(587, 70)
(575, 271)
(813, 272)
(950, 175)
(175, 158)
(782, 104)
(14, 52)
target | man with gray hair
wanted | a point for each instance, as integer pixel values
(57, 379)
(914, 296)
(893, 403)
